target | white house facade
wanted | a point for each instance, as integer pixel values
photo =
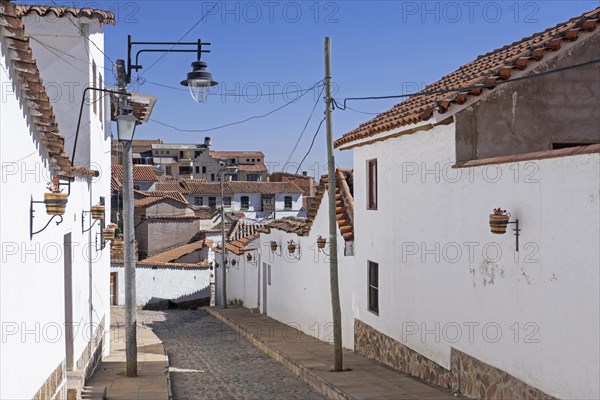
(440, 296)
(54, 278)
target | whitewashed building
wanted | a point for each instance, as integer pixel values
(54, 275)
(425, 287)
(256, 200)
(438, 295)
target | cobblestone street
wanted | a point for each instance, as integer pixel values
(210, 361)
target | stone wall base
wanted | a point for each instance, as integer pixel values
(55, 387)
(467, 375)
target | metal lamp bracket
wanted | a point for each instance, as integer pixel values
(516, 230)
(32, 216)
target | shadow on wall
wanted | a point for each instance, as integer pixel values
(200, 298)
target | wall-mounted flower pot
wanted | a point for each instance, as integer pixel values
(292, 248)
(108, 233)
(97, 212)
(233, 262)
(56, 203)
(321, 242)
(117, 245)
(273, 246)
(498, 223)
(248, 257)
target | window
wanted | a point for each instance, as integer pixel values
(168, 170)
(136, 187)
(197, 154)
(94, 92)
(181, 154)
(203, 170)
(269, 274)
(227, 201)
(374, 287)
(372, 184)
(245, 200)
(287, 202)
(212, 177)
(253, 177)
(234, 177)
(197, 170)
(212, 202)
(185, 171)
(100, 100)
(199, 201)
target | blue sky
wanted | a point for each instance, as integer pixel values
(264, 47)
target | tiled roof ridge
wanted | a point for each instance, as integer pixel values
(486, 69)
(142, 173)
(344, 210)
(33, 93)
(102, 16)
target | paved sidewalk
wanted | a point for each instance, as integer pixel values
(312, 361)
(152, 381)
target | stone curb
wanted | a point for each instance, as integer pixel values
(321, 385)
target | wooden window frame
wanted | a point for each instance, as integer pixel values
(373, 287)
(372, 190)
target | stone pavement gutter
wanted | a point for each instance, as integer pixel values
(110, 381)
(312, 361)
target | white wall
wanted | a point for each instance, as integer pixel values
(299, 293)
(549, 288)
(32, 273)
(164, 283)
(243, 278)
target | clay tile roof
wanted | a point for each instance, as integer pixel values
(175, 253)
(172, 186)
(102, 16)
(290, 225)
(486, 69)
(258, 167)
(33, 93)
(170, 194)
(141, 173)
(147, 201)
(242, 229)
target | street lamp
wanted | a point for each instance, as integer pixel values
(126, 123)
(232, 170)
(199, 81)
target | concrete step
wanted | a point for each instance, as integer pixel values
(95, 393)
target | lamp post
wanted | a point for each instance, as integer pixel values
(231, 169)
(198, 79)
(126, 123)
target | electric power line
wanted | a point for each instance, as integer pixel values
(86, 36)
(232, 94)
(181, 38)
(311, 146)
(467, 88)
(304, 129)
(233, 123)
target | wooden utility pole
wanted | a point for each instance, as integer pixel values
(333, 260)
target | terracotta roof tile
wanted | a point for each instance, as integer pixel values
(198, 186)
(258, 167)
(102, 16)
(171, 194)
(344, 209)
(175, 253)
(33, 92)
(486, 69)
(147, 201)
(141, 173)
